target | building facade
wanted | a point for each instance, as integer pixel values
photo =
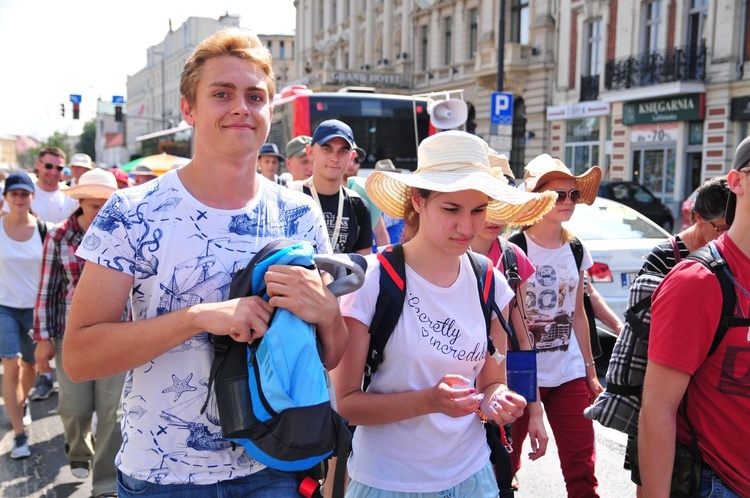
(654, 91)
(153, 93)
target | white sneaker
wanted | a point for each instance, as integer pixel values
(79, 469)
(26, 414)
(20, 447)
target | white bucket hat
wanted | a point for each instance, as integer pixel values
(93, 184)
(452, 161)
(545, 168)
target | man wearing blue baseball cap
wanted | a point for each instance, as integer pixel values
(347, 214)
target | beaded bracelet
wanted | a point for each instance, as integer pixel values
(590, 363)
(483, 417)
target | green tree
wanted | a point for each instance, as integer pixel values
(87, 143)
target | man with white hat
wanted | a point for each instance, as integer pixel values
(78, 402)
(79, 164)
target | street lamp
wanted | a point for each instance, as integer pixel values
(163, 92)
(501, 48)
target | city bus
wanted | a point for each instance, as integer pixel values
(386, 126)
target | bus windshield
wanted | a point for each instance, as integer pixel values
(383, 125)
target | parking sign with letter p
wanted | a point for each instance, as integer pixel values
(501, 108)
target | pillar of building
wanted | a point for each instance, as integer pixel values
(387, 48)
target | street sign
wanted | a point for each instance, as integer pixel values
(76, 99)
(501, 108)
(118, 99)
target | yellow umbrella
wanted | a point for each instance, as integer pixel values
(159, 163)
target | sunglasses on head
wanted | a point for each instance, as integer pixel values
(50, 166)
(575, 195)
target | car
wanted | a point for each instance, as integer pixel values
(640, 198)
(619, 239)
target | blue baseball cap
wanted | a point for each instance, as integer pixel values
(332, 128)
(18, 181)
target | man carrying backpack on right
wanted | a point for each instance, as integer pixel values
(692, 395)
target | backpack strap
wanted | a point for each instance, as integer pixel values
(510, 264)
(388, 307)
(577, 248)
(675, 249)
(42, 226)
(710, 257)
(519, 239)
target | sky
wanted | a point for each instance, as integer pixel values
(50, 49)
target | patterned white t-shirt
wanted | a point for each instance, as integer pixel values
(550, 303)
(441, 331)
(182, 253)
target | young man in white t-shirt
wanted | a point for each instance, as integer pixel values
(173, 245)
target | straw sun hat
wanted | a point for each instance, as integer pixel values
(545, 168)
(93, 184)
(452, 161)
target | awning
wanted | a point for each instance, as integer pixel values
(183, 126)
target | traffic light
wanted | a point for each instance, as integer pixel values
(76, 110)
(62, 110)
(118, 113)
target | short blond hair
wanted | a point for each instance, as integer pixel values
(236, 42)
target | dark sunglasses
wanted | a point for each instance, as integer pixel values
(50, 166)
(575, 195)
(357, 161)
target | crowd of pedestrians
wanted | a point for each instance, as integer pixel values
(163, 252)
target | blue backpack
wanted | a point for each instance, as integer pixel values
(272, 396)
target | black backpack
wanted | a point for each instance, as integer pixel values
(388, 308)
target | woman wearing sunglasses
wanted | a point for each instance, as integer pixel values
(565, 366)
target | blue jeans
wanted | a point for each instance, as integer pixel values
(268, 483)
(713, 487)
(15, 340)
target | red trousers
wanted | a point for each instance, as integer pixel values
(574, 435)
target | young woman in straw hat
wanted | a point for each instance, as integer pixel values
(78, 402)
(488, 242)
(565, 366)
(419, 433)
(20, 268)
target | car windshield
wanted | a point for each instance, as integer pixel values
(610, 221)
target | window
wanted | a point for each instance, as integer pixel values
(424, 47)
(519, 21)
(333, 12)
(473, 32)
(281, 50)
(696, 22)
(269, 46)
(593, 47)
(447, 41)
(652, 25)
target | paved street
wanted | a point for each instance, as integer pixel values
(46, 473)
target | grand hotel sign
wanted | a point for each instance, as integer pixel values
(380, 80)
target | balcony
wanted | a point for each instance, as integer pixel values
(685, 63)
(589, 88)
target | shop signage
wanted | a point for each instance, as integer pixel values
(667, 132)
(676, 108)
(582, 130)
(741, 109)
(580, 110)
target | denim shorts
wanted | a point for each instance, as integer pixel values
(15, 340)
(267, 483)
(480, 485)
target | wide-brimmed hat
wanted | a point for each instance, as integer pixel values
(545, 168)
(93, 184)
(453, 161)
(142, 170)
(741, 158)
(499, 164)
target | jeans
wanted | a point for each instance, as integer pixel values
(574, 435)
(77, 402)
(15, 340)
(268, 483)
(713, 487)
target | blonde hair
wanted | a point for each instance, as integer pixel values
(235, 42)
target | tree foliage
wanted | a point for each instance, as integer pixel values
(87, 142)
